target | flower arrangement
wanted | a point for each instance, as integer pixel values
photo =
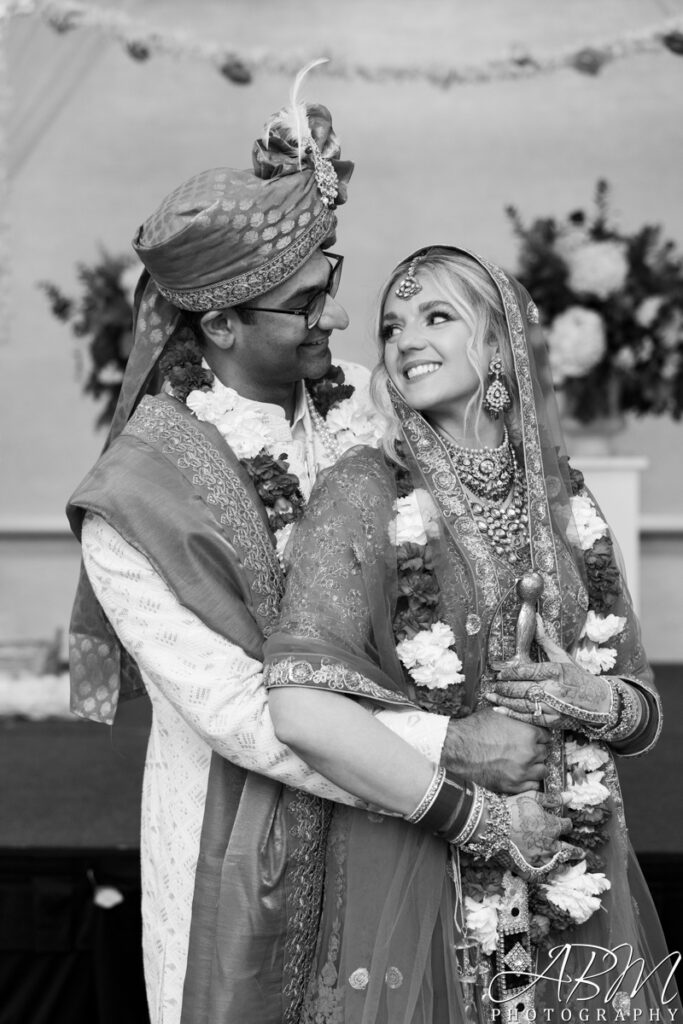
(612, 306)
(103, 314)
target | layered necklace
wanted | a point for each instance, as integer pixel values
(497, 495)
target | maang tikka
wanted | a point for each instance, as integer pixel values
(409, 285)
(497, 398)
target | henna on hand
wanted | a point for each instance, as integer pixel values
(563, 692)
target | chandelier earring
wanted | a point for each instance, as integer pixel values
(497, 399)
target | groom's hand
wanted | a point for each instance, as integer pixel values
(496, 752)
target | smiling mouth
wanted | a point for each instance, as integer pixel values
(317, 342)
(421, 370)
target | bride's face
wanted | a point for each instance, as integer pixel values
(425, 350)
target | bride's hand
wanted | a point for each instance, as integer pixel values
(535, 836)
(556, 694)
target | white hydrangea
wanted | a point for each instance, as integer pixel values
(587, 526)
(599, 268)
(481, 921)
(647, 311)
(575, 890)
(587, 756)
(589, 792)
(601, 628)
(576, 342)
(595, 659)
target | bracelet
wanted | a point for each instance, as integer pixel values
(474, 820)
(496, 835)
(446, 807)
(613, 715)
(429, 797)
(630, 717)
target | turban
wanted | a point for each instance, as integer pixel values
(226, 235)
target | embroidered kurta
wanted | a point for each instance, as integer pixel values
(207, 695)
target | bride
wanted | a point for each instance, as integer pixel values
(404, 587)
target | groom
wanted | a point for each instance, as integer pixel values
(181, 580)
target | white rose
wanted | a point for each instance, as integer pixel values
(481, 921)
(408, 527)
(599, 268)
(647, 311)
(587, 756)
(595, 659)
(440, 672)
(590, 792)
(587, 526)
(601, 628)
(576, 342)
(576, 891)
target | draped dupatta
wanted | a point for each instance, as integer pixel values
(392, 918)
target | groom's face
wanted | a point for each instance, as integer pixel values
(274, 347)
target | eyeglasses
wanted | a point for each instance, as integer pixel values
(314, 308)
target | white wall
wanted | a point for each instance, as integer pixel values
(431, 165)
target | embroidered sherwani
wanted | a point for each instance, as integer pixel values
(207, 696)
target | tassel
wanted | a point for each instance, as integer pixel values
(292, 121)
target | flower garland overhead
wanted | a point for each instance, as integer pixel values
(142, 41)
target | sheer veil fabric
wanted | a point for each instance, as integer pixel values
(391, 918)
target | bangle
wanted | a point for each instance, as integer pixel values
(474, 820)
(429, 797)
(614, 714)
(446, 807)
(631, 717)
(496, 834)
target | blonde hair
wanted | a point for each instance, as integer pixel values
(470, 290)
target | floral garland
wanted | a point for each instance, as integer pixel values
(426, 647)
(344, 408)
